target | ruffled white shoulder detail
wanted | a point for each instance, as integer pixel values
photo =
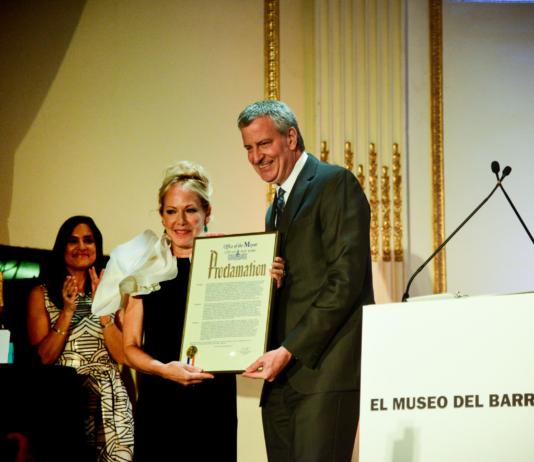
(135, 268)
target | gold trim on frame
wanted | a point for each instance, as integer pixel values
(271, 22)
(361, 176)
(386, 215)
(272, 49)
(325, 153)
(349, 156)
(397, 204)
(271, 192)
(373, 200)
(436, 89)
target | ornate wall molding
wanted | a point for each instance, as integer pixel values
(373, 201)
(325, 153)
(349, 157)
(386, 214)
(272, 49)
(361, 176)
(356, 69)
(436, 89)
(271, 22)
(397, 204)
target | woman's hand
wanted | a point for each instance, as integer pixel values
(278, 271)
(95, 280)
(184, 374)
(50, 339)
(111, 329)
(69, 292)
(135, 357)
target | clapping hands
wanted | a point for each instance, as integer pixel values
(69, 292)
(95, 280)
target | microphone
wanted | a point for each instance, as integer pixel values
(496, 168)
(507, 170)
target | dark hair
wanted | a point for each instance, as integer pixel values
(278, 112)
(58, 270)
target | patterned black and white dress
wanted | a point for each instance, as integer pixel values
(108, 411)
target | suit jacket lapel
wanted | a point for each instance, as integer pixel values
(297, 195)
(269, 217)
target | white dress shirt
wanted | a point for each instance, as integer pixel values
(287, 185)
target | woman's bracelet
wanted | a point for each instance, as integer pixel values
(106, 325)
(59, 331)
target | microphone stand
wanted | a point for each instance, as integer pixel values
(495, 169)
(406, 295)
(517, 213)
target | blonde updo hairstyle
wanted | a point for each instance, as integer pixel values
(191, 176)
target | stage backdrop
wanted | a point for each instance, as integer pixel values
(99, 96)
(488, 68)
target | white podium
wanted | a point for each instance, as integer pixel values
(449, 380)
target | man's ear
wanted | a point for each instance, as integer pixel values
(292, 139)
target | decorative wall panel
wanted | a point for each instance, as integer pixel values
(359, 114)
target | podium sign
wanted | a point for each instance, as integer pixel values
(449, 380)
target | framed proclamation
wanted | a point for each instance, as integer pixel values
(229, 300)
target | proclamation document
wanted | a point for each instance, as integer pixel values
(229, 301)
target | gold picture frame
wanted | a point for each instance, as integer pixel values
(438, 181)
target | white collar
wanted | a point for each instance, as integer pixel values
(287, 185)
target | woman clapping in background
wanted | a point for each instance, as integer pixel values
(61, 324)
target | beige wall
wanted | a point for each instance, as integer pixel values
(98, 96)
(140, 86)
(101, 95)
(488, 70)
(419, 168)
(487, 111)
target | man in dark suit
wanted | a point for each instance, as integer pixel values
(310, 400)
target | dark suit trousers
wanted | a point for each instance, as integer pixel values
(306, 428)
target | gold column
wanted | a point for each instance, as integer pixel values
(365, 68)
(272, 62)
(397, 204)
(436, 89)
(373, 201)
(325, 153)
(386, 215)
(361, 176)
(349, 156)
(272, 49)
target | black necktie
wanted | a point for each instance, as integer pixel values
(280, 204)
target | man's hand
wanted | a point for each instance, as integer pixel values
(278, 271)
(269, 365)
